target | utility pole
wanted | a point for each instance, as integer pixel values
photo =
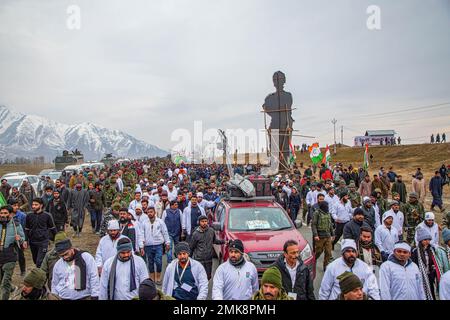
(342, 136)
(334, 129)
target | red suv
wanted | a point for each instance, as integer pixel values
(263, 226)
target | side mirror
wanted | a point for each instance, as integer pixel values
(216, 226)
(298, 223)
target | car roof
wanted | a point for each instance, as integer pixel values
(248, 204)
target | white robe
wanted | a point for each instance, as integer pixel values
(63, 284)
(400, 283)
(231, 283)
(106, 249)
(122, 285)
(329, 288)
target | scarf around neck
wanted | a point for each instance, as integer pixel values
(112, 277)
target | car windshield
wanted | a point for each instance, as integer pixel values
(14, 182)
(256, 219)
(54, 175)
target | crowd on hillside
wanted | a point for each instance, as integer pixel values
(144, 211)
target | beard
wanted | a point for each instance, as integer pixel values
(4, 220)
(183, 260)
(350, 260)
(123, 220)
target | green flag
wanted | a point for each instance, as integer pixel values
(2, 200)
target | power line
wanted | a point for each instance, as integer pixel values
(404, 110)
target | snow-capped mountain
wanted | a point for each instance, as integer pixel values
(31, 136)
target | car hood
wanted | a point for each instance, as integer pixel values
(267, 240)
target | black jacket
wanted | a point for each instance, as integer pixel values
(303, 286)
(39, 228)
(282, 199)
(352, 229)
(202, 244)
(58, 211)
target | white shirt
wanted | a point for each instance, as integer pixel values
(122, 285)
(231, 283)
(342, 212)
(398, 221)
(292, 271)
(444, 286)
(106, 249)
(385, 238)
(332, 201)
(433, 230)
(155, 233)
(63, 281)
(329, 288)
(171, 195)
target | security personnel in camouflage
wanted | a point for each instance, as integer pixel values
(110, 194)
(126, 196)
(414, 214)
(353, 195)
(381, 202)
(396, 197)
(119, 199)
(342, 188)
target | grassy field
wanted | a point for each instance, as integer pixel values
(405, 160)
(28, 168)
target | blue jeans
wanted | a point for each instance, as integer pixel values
(173, 243)
(154, 256)
(96, 219)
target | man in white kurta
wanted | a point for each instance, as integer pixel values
(107, 247)
(118, 283)
(330, 289)
(74, 274)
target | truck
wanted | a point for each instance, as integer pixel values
(68, 158)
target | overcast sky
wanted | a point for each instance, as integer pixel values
(149, 67)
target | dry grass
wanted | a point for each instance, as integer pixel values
(28, 168)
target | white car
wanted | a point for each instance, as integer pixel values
(12, 174)
(17, 180)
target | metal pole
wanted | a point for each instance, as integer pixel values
(334, 129)
(342, 135)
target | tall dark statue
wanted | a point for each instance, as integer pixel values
(278, 106)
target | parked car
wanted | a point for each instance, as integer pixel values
(45, 172)
(12, 174)
(263, 226)
(17, 180)
(54, 175)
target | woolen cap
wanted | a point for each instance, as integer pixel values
(147, 290)
(182, 247)
(62, 246)
(272, 276)
(36, 278)
(348, 282)
(237, 245)
(423, 234)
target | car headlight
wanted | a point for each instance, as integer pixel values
(306, 252)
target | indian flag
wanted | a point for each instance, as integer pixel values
(293, 156)
(366, 157)
(327, 157)
(314, 153)
(2, 200)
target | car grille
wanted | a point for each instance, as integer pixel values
(264, 259)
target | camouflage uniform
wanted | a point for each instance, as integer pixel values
(126, 196)
(355, 197)
(110, 194)
(383, 205)
(108, 216)
(414, 214)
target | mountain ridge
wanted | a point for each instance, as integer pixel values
(32, 136)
